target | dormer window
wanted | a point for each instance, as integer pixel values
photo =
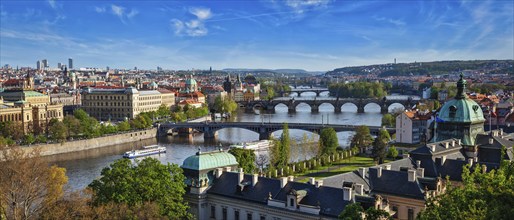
(453, 110)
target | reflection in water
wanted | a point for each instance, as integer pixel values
(83, 167)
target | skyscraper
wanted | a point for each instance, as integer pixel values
(39, 65)
(59, 65)
(45, 63)
(70, 63)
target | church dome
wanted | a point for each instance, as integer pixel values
(191, 81)
(209, 160)
(461, 109)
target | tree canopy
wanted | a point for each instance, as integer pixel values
(380, 145)
(482, 195)
(362, 137)
(146, 181)
(358, 90)
(329, 141)
(245, 158)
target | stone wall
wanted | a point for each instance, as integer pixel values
(80, 145)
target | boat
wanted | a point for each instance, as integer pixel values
(256, 146)
(147, 150)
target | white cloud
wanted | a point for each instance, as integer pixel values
(132, 13)
(300, 6)
(118, 10)
(100, 9)
(52, 4)
(396, 22)
(194, 27)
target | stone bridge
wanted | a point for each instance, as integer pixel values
(210, 129)
(269, 105)
(300, 91)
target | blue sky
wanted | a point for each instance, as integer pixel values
(310, 34)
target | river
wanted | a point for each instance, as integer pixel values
(83, 167)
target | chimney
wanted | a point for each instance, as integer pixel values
(459, 142)
(501, 132)
(453, 143)
(443, 159)
(484, 168)
(446, 145)
(418, 163)
(241, 175)
(347, 193)
(255, 179)
(312, 181)
(421, 172)
(219, 171)
(290, 178)
(283, 182)
(387, 167)
(228, 169)
(319, 183)
(362, 172)
(379, 172)
(406, 156)
(359, 189)
(491, 141)
(470, 161)
(412, 175)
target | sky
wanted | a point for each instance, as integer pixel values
(315, 35)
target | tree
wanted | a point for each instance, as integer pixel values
(355, 211)
(27, 184)
(73, 125)
(274, 154)
(245, 158)
(379, 146)
(57, 130)
(482, 195)
(163, 111)
(329, 141)
(261, 160)
(29, 139)
(392, 152)
(285, 146)
(388, 120)
(362, 137)
(123, 126)
(147, 181)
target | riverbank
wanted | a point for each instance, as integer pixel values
(99, 142)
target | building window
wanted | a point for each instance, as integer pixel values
(236, 214)
(263, 217)
(224, 213)
(213, 211)
(410, 214)
(291, 202)
(249, 216)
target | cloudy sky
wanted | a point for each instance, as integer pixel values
(310, 34)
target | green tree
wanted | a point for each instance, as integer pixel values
(362, 137)
(123, 126)
(275, 154)
(29, 139)
(285, 146)
(57, 130)
(352, 211)
(245, 158)
(147, 181)
(73, 125)
(480, 196)
(392, 152)
(163, 111)
(329, 141)
(388, 120)
(380, 145)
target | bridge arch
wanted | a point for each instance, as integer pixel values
(372, 107)
(298, 103)
(326, 107)
(349, 107)
(395, 105)
(280, 105)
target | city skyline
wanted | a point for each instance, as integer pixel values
(316, 35)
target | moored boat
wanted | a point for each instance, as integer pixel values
(147, 150)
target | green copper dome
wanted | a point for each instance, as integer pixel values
(460, 118)
(209, 160)
(461, 109)
(190, 81)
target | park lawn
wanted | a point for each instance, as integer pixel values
(343, 166)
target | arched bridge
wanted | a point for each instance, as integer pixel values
(269, 105)
(318, 91)
(210, 129)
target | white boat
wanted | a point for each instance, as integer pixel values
(256, 146)
(147, 150)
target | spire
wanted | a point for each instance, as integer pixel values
(461, 88)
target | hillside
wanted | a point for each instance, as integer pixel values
(432, 68)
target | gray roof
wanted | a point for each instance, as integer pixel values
(394, 183)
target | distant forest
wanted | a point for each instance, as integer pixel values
(432, 68)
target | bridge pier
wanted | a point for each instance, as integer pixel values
(360, 108)
(291, 108)
(384, 110)
(315, 108)
(264, 135)
(185, 131)
(317, 94)
(207, 135)
(337, 109)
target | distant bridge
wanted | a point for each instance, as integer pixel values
(318, 91)
(337, 103)
(210, 129)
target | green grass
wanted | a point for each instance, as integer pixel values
(343, 166)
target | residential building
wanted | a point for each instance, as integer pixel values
(412, 125)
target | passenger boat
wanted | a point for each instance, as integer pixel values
(256, 146)
(147, 150)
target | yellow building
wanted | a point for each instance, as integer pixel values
(123, 103)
